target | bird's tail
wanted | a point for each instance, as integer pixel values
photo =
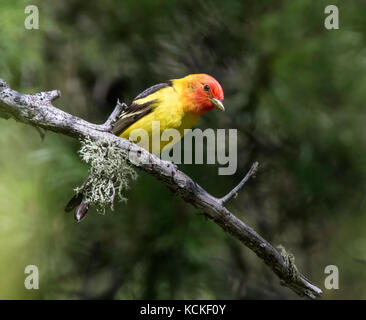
(77, 202)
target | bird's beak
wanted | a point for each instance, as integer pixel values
(218, 104)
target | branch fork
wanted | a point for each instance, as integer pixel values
(108, 125)
(234, 193)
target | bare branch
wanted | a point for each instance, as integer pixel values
(113, 117)
(37, 110)
(234, 192)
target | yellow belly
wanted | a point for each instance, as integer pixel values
(169, 118)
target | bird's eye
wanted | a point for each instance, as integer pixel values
(206, 87)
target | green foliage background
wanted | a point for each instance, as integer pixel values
(294, 90)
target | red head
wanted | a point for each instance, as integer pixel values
(201, 92)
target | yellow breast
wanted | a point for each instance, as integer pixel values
(169, 112)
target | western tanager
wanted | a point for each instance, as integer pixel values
(176, 104)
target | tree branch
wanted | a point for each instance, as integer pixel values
(114, 115)
(37, 110)
(234, 192)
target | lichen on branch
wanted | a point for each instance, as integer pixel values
(109, 173)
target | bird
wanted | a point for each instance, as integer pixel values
(176, 104)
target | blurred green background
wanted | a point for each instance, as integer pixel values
(294, 90)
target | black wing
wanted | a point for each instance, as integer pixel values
(153, 89)
(136, 110)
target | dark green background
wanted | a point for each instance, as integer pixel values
(294, 90)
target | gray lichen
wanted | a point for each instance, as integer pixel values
(109, 173)
(289, 258)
